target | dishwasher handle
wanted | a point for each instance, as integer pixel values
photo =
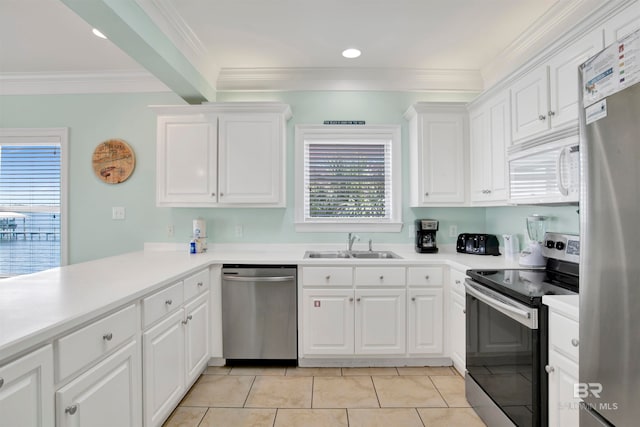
(233, 278)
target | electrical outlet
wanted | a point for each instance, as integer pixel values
(118, 213)
(170, 230)
(411, 230)
(453, 230)
(239, 230)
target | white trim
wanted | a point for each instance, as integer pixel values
(53, 135)
(324, 132)
(360, 79)
(85, 82)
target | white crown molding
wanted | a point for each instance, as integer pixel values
(563, 15)
(164, 14)
(88, 82)
(358, 79)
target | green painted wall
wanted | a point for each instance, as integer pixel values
(95, 118)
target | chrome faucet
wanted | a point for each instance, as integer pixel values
(352, 238)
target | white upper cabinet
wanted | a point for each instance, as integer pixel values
(546, 98)
(437, 143)
(222, 154)
(622, 24)
(490, 134)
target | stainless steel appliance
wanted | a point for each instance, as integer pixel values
(478, 244)
(609, 211)
(259, 312)
(507, 334)
(426, 235)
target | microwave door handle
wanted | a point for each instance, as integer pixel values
(564, 190)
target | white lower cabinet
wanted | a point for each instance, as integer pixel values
(106, 395)
(425, 325)
(175, 351)
(328, 321)
(562, 369)
(26, 387)
(380, 321)
(457, 321)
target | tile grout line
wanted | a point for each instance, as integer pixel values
(203, 417)
(249, 393)
(376, 391)
(313, 385)
(438, 390)
(275, 417)
(420, 417)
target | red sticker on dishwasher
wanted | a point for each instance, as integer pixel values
(316, 303)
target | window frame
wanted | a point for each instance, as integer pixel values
(17, 136)
(338, 133)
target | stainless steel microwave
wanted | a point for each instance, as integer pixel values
(546, 174)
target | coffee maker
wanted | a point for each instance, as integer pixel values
(426, 235)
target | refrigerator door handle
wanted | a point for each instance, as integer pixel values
(560, 162)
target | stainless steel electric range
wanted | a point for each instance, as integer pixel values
(507, 332)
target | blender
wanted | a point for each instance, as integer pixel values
(532, 256)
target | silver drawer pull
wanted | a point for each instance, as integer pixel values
(200, 283)
(168, 302)
(108, 336)
(189, 317)
(541, 117)
(381, 277)
(574, 342)
(71, 409)
(549, 369)
(328, 277)
(426, 277)
(1, 382)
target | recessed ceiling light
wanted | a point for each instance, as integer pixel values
(351, 53)
(97, 33)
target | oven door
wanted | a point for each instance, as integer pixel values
(503, 358)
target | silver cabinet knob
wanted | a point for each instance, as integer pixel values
(189, 317)
(168, 302)
(541, 117)
(381, 277)
(552, 113)
(221, 194)
(413, 298)
(464, 311)
(426, 194)
(200, 284)
(1, 382)
(108, 336)
(358, 299)
(575, 342)
(457, 282)
(328, 277)
(549, 369)
(71, 409)
(213, 194)
(351, 299)
(426, 277)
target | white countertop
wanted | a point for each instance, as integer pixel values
(35, 308)
(566, 304)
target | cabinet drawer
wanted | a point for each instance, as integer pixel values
(380, 276)
(424, 276)
(457, 281)
(563, 335)
(86, 345)
(196, 284)
(161, 303)
(327, 276)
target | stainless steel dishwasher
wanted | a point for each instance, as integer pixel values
(259, 312)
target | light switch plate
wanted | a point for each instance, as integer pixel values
(118, 213)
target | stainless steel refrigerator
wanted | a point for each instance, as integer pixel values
(609, 381)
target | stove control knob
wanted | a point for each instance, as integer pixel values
(560, 246)
(550, 244)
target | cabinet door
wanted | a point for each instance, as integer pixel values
(187, 160)
(529, 101)
(563, 78)
(441, 140)
(563, 406)
(425, 321)
(327, 321)
(251, 159)
(480, 151)
(380, 321)
(164, 368)
(26, 387)
(196, 337)
(622, 24)
(106, 395)
(457, 330)
(499, 138)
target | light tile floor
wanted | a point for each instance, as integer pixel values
(327, 397)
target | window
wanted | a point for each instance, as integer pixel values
(32, 208)
(348, 178)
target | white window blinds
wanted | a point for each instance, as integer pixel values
(349, 179)
(29, 207)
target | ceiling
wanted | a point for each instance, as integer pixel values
(242, 44)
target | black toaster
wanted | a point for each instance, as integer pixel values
(478, 244)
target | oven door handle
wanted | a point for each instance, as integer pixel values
(527, 317)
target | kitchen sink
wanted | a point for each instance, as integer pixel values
(352, 254)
